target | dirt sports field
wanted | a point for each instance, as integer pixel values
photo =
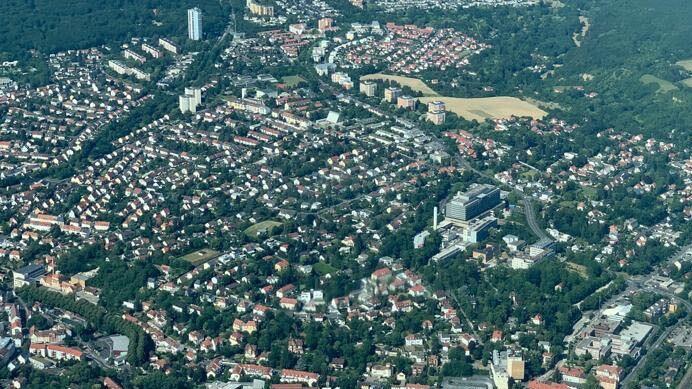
(488, 107)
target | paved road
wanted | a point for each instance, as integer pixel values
(530, 214)
(528, 206)
(529, 211)
(643, 359)
(638, 282)
(468, 321)
(686, 381)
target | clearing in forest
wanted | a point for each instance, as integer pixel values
(663, 85)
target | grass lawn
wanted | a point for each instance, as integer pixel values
(292, 81)
(413, 83)
(686, 64)
(200, 256)
(663, 85)
(323, 268)
(258, 228)
(579, 269)
(590, 193)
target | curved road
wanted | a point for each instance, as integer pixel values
(529, 212)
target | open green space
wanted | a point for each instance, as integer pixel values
(323, 268)
(261, 227)
(200, 256)
(292, 81)
(663, 85)
(685, 64)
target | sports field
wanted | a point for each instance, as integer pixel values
(292, 81)
(488, 107)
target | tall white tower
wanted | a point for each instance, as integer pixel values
(435, 219)
(194, 24)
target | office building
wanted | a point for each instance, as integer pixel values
(406, 102)
(368, 88)
(27, 275)
(260, 9)
(391, 94)
(129, 54)
(325, 24)
(151, 51)
(119, 67)
(190, 100)
(479, 229)
(436, 117)
(498, 370)
(468, 205)
(435, 106)
(194, 24)
(140, 75)
(358, 3)
(168, 45)
(342, 79)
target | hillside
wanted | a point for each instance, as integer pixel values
(55, 25)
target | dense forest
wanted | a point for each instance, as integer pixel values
(55, 25)
(628, 39)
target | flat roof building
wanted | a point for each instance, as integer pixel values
(27, 275)
(194, 24)
(466, 206)
(368, 88)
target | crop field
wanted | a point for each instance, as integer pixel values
(488, 107)
(413, 83)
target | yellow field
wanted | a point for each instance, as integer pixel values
(488, 107)
(686, 64)
(687, 82)
(413, 83)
